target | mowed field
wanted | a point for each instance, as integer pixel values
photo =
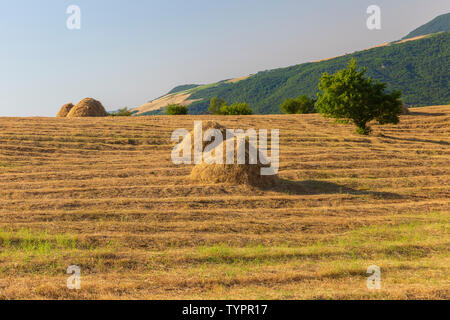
(103, 194)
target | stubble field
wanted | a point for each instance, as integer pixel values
(103, 194)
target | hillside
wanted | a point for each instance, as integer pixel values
(183, 88)
(438, 24)
(418, 67)
(103, 194)
(182, 98)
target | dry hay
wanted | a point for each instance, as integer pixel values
(88, 108)
(245, 174)
(236, 80)
(413, 39)
(64, 111)
(205, 127)
(405, 109)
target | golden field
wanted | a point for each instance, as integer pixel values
(103, 194)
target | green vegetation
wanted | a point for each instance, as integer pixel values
(236, 109)
(215, 105)
(27, 240)
(418, 68)
(183, 88)
(439, 24)
(176, 109)
(349, 95)
(300, 105)
(220, 107)
(6, 165)
(121, 113)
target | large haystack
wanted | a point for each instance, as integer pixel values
(64, 111)
(247, 174)
(206, 126)
(88, 108)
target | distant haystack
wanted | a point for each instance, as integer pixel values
(64, 111)
(88, 108)
(246, 174)
(405, 109)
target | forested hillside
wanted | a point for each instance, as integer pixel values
(419, 68)
(183, 88)
(438, 24)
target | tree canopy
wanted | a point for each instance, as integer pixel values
(349, 95)
(302, 104)
(176, 109)
(240, 108)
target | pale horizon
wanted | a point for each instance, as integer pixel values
(126, 54)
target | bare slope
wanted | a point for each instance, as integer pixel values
(178, 97)
(173, 98)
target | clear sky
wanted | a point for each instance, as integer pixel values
(128, 52)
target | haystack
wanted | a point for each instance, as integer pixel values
(246, 174)
(206, 126)
(88, 108)
(64, 111)
(405, 109)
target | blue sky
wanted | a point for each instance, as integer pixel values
(128, 52)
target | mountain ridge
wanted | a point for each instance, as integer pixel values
(439, 24)
(416, 66)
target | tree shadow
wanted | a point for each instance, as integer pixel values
(427, 114)
(444, 143)
(316, 187)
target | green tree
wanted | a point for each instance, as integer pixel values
(302, 104)
(236, 109)
(176, 109)
(215, 105)
(124, 112)
(350, 96)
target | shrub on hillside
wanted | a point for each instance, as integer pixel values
(300, 105)
(177, 109)
(236, 109)
(349, 95)
(121, 113)
(215, 105)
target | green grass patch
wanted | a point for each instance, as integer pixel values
(35, 242)
(6, 165)
(404, 240)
